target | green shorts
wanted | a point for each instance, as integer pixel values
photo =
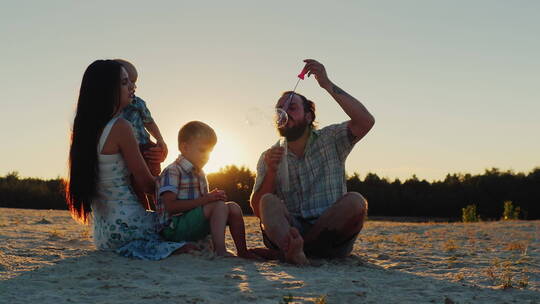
(190, 226)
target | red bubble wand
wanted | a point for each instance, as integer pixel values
(282, 117)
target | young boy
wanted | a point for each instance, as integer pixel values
(187, 209)
(140, 118)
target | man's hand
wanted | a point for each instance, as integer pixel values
(272, 158)
(316, 68)
(164, 151)
(215, 195)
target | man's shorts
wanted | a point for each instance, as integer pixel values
(327, 248)
(190, 226)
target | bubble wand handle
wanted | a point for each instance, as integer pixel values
(284, 164)
(300, 77)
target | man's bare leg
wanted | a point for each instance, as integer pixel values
(338, 224)
(274, 218)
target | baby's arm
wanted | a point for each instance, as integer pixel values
(153, 129)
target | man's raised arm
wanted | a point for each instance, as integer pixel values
(361, 120)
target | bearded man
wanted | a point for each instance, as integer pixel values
(310, 213)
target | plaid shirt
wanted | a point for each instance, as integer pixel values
(316, 180)
(182, 179)
(138, 114)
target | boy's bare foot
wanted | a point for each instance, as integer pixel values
(295, 248)
(268, 254)
(187, 248)
(225, 254)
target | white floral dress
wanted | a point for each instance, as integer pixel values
(119, 221)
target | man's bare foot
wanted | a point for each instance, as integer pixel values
(247, 254)
(295, 248)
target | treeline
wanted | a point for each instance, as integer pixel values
(446, 198)
(412, 197)
(34, 193)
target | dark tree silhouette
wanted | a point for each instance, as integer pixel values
(237, 183)
(413, 197)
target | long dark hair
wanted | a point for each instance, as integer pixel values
(99, 99)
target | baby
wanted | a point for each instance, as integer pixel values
(139, 116)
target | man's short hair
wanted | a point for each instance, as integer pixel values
(196, 129)
(309, 106)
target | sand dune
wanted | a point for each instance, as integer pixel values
(46, 257)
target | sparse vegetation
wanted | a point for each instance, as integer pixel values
(468, 214)
(450, 245)
(520, 246)
(507, 274)
(55, 234)
(291, 299)
(510, 211)
(286, 299)
(321, 300)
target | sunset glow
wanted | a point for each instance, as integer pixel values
(226, 152)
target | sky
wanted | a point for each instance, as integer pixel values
(453, 85)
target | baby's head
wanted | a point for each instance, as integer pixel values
(130, 68)
(196, 140)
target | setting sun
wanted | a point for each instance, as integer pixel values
(226, 152)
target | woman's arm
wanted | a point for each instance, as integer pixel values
(122, 133)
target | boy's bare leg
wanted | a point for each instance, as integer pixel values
(238, 230)
(338, 224)
(274, 218)
(217, 213)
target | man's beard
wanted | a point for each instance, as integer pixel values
(294, 133)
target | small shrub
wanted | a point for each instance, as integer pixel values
(510, 212)
(287, 299)
(468, 214)
(321, 300)
(450, 245)
(517, 246)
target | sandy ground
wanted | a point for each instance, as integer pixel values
(45, 257)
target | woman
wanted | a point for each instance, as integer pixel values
(103, 153)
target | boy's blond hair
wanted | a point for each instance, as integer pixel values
(196, 129)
